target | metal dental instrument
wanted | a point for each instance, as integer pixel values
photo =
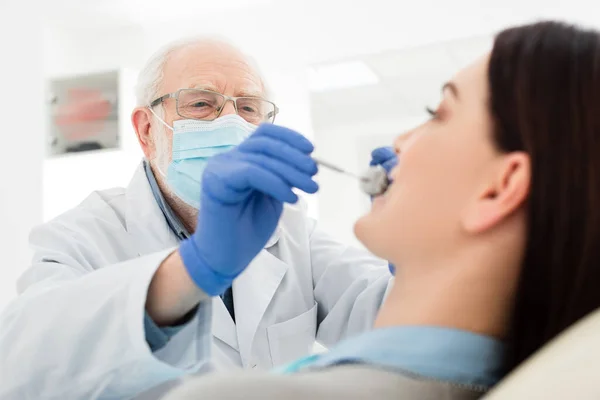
(374, 183)
(338, 169)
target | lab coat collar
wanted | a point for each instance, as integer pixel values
(144, 220)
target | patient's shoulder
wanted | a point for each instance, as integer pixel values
(344, 383)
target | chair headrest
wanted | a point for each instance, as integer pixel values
(566, 368)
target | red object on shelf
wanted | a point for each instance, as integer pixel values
(83, 115)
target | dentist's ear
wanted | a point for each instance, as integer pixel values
(504, 192)
(141, 118)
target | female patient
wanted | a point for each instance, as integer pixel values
(493, 220)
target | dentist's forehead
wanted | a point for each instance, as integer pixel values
(215, 66)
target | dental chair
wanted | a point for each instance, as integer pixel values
(566, 368)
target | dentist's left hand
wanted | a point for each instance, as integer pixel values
(384, 156)
(243, 192)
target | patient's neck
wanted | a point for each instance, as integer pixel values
(472, 292)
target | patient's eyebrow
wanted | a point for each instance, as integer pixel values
(452, 88)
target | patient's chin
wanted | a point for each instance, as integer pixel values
(365, 229)
(359, 227)
(373, 231)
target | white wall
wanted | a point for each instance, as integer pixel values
(70, 178)
(21, 80)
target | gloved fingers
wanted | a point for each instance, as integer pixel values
(392, 268)
(233, 182)
(270, 184)
(286, 172)
(390, 164)
(289, 136)
(272, 148)
(382, 154)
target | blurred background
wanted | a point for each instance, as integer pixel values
(349, 76)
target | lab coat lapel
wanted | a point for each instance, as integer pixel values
(145, 221)
(223, 326)
(253, 291)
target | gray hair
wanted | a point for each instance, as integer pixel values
(152, 74)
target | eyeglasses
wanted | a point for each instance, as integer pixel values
(207, 105)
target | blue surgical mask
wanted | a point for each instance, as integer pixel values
(194, 142)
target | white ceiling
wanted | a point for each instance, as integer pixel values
(328, 15)
(124, 13)
(410, 80)
(394, 38)
(322, 29)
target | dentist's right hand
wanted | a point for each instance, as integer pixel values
(243, 192)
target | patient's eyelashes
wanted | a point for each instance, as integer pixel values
(432, 113)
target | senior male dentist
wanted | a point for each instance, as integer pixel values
(116, 300)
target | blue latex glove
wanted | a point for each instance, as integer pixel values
(386, 157)
(242, 198)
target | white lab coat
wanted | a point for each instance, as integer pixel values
(76, 329)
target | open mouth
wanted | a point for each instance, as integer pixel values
(378, 201)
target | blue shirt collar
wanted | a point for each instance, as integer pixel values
(437, 353)
(172, 220)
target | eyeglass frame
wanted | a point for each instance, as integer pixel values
(233, 99)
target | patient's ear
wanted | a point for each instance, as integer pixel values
(504, 192)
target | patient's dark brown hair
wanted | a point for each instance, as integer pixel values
(545, 100)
